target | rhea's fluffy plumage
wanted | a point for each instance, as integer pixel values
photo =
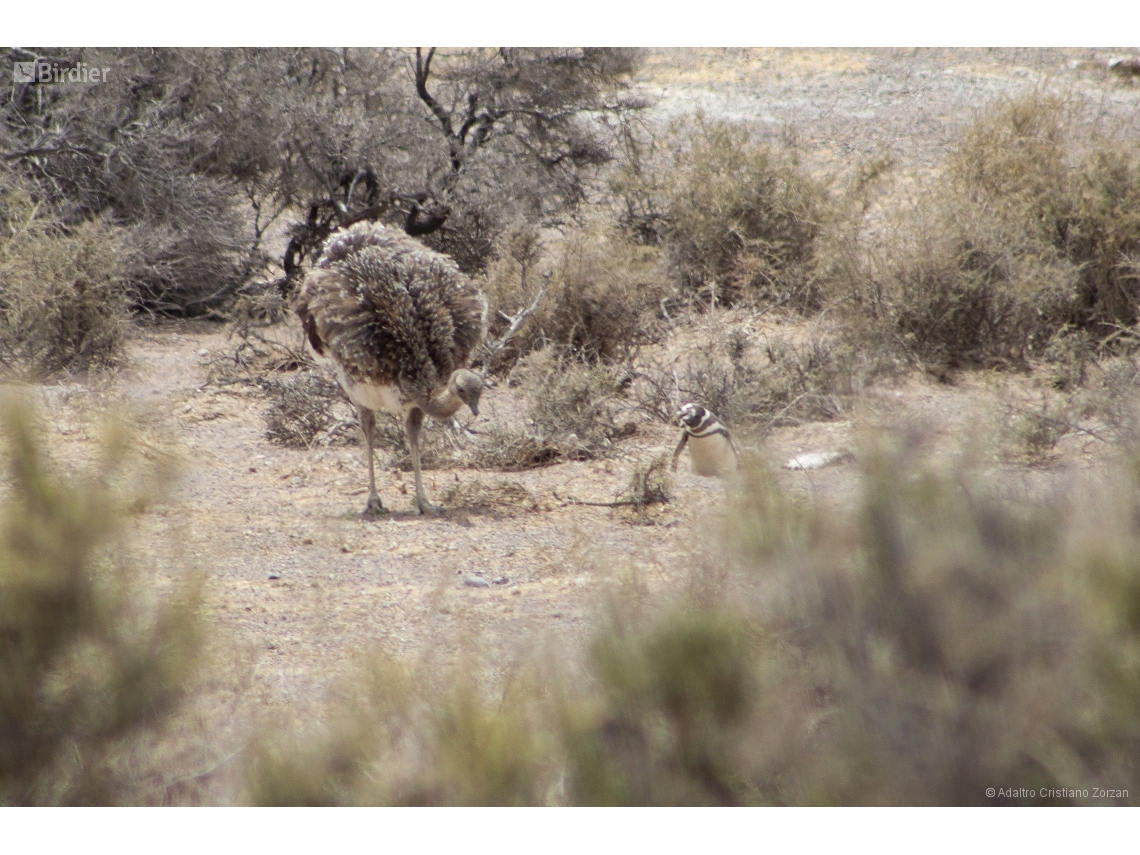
(389, 311)
(400, 324)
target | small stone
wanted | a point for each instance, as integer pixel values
(475, 582)
(203, 352)
(816, 460)
(296, 481)
(273, 576)
(308, 541)
(502, 580)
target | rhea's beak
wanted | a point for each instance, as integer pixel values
(474, 405)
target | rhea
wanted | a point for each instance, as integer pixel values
(400, 323)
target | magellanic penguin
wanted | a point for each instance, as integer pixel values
(400, 324)
(711, 448)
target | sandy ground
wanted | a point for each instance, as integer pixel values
(299, 587)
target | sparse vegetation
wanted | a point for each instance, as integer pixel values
(931, 641)
(941, 609)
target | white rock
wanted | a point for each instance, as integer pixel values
(815, 460)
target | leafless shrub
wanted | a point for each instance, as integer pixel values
(650, 487)
(758, 384)
(500, 498)
(1109, 398)
(570, 416)
(1037, 428)
(301, 411)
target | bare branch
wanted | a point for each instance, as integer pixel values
(515, 321)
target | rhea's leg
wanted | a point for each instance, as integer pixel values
(367, 420)
(414, 426)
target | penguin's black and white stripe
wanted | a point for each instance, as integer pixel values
(711, 448)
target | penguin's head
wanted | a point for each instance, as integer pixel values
(691, 415)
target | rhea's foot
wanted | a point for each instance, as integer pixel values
(374, 509)
(423, 506)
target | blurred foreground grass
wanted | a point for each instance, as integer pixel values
(91, 652)
(938, 639)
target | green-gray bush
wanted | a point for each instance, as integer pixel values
(63, 303)
(87, 661)
(738, 219)
(1033, 233)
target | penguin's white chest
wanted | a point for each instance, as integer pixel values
(374, 396)
(712, 456)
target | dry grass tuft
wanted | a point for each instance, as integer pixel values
(501, 498)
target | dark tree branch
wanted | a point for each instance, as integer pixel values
(454, 142)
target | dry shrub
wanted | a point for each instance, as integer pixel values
(650, 488)
(570, 415)
(63, 304)
(943, 640)
(1033, 234)
(756, 383)
(602, 295)
(1109, 399)
(970, 291)
(92, 656)
(500, 498)
(398, 737)
(306, 407)
(739, 219)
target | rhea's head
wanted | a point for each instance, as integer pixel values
(468, 386)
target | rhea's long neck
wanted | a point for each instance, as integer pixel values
(444, 403)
